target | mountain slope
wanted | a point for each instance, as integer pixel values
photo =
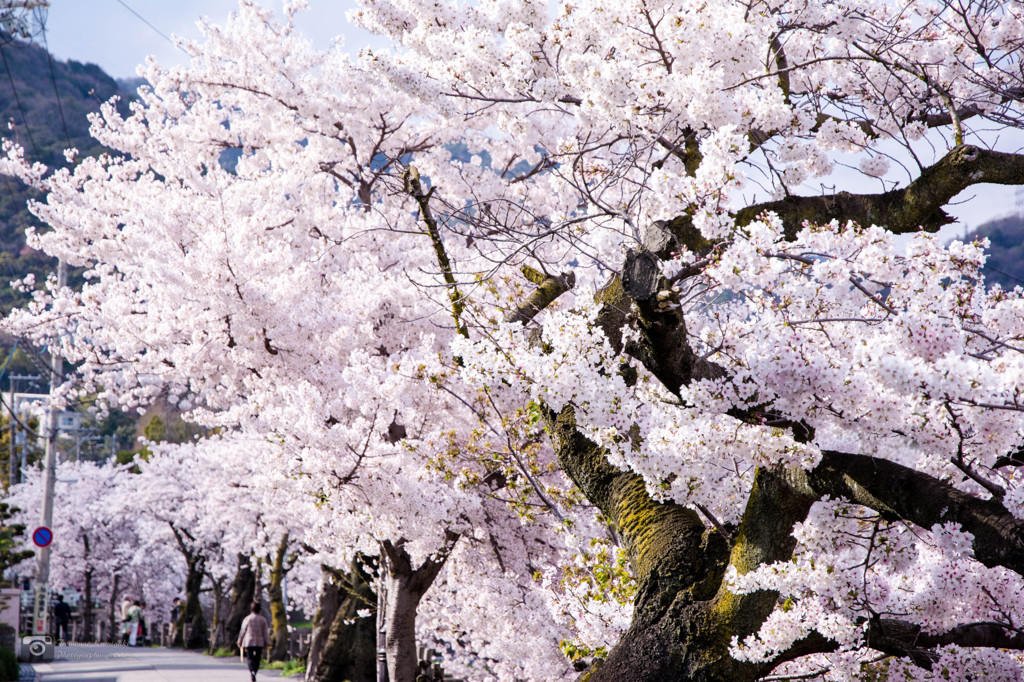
(1005, 264)
(44, 126)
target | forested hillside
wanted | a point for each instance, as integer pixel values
(44, 126)
(1005, 264)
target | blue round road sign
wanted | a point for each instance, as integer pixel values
(42, 536)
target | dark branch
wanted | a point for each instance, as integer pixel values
(898, 492)
(915, 207)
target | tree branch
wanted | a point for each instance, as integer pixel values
(917, 206)
(548, 289)
(414, 188)
(898, 492)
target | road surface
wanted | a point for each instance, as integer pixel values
(110, 663)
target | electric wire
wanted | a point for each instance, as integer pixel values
(1004, 274)
(53, 79)
(147, 23)
(10, 408)
(14, 89)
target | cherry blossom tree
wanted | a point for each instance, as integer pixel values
(355, 380)
(802, 430)
(203, 499)
(94, 540)
(768, 386)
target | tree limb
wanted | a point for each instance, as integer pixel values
(898, 492)
(917, 206)
(548, 289)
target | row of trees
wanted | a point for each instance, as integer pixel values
(171, 525)
(628, 331)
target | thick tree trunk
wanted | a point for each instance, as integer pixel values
(115, 592)
(685, 618)
(403, 588)
(243, 591)
(328, 605)
(401, 601)
(218, 641)
(343, 645)
(191, 611)
(87, 614)
(278, 612)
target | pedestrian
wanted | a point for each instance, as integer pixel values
(134, 622)
(253, 638)
(143, 626)
(61, 618)
(126, 604)
(175, 614)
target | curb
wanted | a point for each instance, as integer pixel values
(27, 673)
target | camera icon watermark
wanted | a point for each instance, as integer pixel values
(36, 649)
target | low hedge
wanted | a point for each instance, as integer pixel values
(9, 669)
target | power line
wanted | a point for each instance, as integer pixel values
(53, 79)
(10, 77)
(143, 20)
(1004, 274)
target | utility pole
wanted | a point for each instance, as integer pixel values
(41, 613)
(13, 470)
(15, 16)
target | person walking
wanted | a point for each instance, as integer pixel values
(253, 638)
(126, 604)
(175, 613)
(61, 618)
(134, 622)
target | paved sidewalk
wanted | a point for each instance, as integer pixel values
(110, 663)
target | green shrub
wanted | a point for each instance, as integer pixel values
(9, 669)
(292, 666)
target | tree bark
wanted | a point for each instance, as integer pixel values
(278, 613)
(898, 492)
(191, 611)
(328, 605)
(343, 645)
(917, 206)
(243, 590)
(115, 592)
(218, 640)
(403, 589)
(87, 613)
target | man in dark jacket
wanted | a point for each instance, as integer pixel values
(61, 618)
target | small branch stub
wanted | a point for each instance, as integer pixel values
(640, 275)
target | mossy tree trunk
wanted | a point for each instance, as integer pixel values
(343, 646)
(685, 618)
(243, 591)
(219, 639)
(191, 611)
(279, 567)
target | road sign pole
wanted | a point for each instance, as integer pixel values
(41, 612)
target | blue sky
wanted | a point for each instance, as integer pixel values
(104, 32)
